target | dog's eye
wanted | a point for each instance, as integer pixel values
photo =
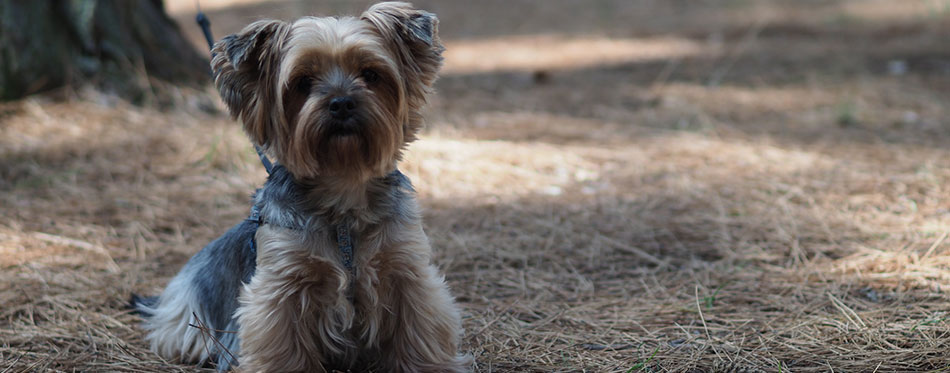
(370, 76)
(304, 85)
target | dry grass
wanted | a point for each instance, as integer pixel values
(731, 186)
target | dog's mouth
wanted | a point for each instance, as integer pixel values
(341, 132)
(343, 128)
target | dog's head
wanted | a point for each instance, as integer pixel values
(332, 96)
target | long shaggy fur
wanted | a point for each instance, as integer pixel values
(278, 297)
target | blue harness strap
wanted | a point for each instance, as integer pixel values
(254, 217)
(343, 239)
(345, 244)
(268, 166)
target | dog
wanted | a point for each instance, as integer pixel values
(332, 271)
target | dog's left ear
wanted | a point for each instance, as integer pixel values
(245, 67)
(414, 36)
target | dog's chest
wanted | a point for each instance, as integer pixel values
(317, 288)
(335, 261)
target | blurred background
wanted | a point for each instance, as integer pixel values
(609, 186)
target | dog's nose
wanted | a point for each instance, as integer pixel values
(341, 107)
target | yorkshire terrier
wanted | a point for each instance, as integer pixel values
(333, 270)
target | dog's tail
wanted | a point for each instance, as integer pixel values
(143, 305)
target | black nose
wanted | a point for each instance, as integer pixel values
(342, 107)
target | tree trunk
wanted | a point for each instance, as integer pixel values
(117, 45)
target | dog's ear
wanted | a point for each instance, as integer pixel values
(413, 34)
(245, 68)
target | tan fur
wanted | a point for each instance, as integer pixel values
(295, 315)
(278, 79)
(257, 76)
(420, 325)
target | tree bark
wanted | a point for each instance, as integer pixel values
(117, 45)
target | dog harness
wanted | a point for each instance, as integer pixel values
(343, 240)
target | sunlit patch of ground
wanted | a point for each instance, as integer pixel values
(533, 53)
(609, 186)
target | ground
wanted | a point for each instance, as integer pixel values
(609, 186)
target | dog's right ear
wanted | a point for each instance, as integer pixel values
(245, 69)
(413, 35)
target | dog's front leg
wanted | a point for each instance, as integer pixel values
(421, 326)
(291, 316)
